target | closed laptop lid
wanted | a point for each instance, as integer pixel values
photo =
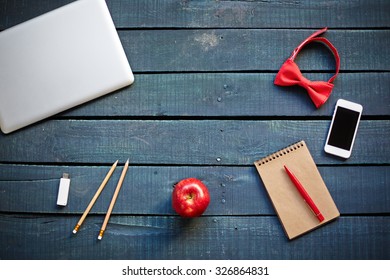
(57, 61)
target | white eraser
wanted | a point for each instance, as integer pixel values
(63, 190)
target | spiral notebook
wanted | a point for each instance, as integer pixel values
(295, 215)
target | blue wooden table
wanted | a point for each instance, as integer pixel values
(204, 105)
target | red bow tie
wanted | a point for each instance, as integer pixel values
(289, 74)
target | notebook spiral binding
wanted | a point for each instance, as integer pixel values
(281, 152)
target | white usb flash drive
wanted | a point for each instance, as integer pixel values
(63, 190)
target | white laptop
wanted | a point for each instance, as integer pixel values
(57, 61)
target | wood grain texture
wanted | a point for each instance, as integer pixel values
(227, 50)
(207, 142)
(235, 14)
(147, 189)
(153, 237)
(250, 14)
(251, 50)
(234, 94)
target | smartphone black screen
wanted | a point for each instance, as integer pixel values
(343, 128)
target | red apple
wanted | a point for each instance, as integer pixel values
(190, 198)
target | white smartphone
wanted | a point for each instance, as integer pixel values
(342, 131)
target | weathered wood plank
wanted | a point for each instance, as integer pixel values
(219, 14)
(251, 14)
(235, 94)
(147, 189)
(192, 142)
(154, 237)
(251, 50)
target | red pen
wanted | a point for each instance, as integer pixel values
(306, 197)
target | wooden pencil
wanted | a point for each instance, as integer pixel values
(113, 200)
(95, 197)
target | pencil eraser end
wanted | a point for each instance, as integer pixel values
(63, 190)
(99, 237)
